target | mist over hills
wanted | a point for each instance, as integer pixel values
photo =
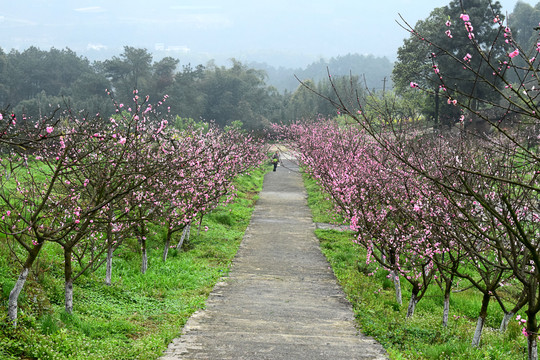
(374, 71)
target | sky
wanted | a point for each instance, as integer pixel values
(289, 33)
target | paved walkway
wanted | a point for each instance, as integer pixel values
(281, 299)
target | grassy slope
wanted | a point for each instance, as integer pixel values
(423, 336)
(138, 315)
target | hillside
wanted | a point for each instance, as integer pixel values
(373, 69)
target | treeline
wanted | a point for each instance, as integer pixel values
(373, 71)
(33, 82)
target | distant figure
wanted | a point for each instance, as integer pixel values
(275, 160)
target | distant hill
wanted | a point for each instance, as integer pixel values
(374, 69)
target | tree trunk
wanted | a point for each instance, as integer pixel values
(446, 311)
(108, 274)
(144, 264)
(68, 295)
(532, 348)
(14, 295)
(397, 286)
(167, 244)
(506, 319)
(142, 241)
(532, 332)
(185, 235)
(17, 288)
(188, 232)
(481, 320)
(412, 302)
(510, 314)
(200, 224)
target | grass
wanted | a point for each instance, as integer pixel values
(423, 336)
(322, 209)
(139, 315)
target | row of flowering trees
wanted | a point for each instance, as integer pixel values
(435, 205)
(416, 229)
(87, 183)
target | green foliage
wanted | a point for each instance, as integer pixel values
(138, 315)
(34, 82)
(311, 100)
(524, 20)
(416, 57)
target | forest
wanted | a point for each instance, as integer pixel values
(34, 80)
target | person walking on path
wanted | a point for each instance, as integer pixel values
(275, 160)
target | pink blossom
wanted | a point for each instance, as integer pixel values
(464, 17)
(514, 53)
(49, 129)
(448, 23)
(413, 84)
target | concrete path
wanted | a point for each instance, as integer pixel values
(281, 299)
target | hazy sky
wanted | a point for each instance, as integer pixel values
(280, 32)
